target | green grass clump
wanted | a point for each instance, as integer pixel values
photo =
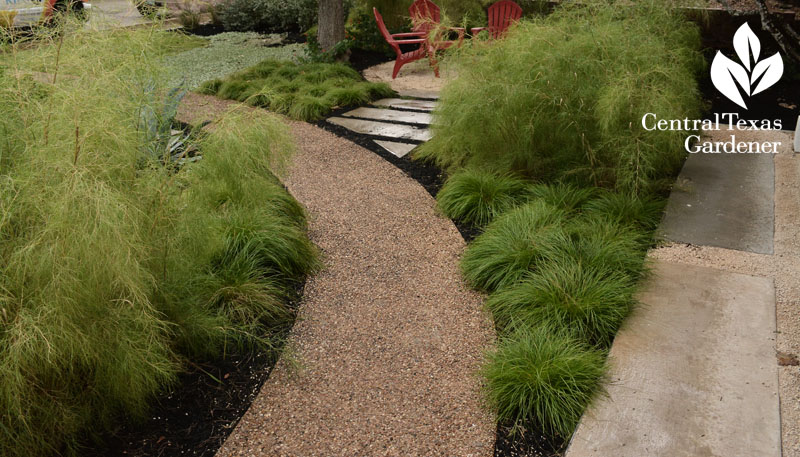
(625, 209)
(565, 196)
(477, 197)
(512, 246)
(116, 269)
(541, 377)
(589, 300)
(306, 91)
(562, 97)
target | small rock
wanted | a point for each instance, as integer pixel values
(787, 360)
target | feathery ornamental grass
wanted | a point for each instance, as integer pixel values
(116, 264)
(562, 97)
(302, 91)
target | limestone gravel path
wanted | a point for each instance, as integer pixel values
(389, 339)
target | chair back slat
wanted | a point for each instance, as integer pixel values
(502, 15)
(425, 15)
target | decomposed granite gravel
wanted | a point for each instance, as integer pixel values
(384, 357)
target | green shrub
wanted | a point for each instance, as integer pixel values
(562, 97)
(268, 15)
(477, 197)
(307, 91)
(590, 300)
(114, 267)
(512, 246)
(541, 379)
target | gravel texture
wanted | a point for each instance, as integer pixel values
(416, 76)
(783, 267)
(384, 357)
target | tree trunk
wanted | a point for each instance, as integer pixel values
(331, 23)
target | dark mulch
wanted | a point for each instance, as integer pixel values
(196, 417)
(361, 59)
(526, 444)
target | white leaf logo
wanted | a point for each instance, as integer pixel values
(731, 78)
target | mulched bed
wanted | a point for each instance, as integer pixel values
(198, 415)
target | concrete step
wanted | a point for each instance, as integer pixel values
(398, 131)
(398, 149)
(421, 105)
(381, 114)
(693, 372)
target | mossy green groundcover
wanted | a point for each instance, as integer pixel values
(119, 262)
(305, 91)
(542, 139)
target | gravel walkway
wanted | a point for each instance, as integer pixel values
(783, 267)
(384, 358)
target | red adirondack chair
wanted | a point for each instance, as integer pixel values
(425, 15)
(410, 38)
(501, 15)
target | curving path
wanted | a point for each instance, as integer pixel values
(389, 340)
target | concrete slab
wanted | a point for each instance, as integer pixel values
(398, 149)
(399, 131)
(724, 200)
(693, 372)
(430, 95)
(381, 114)
(421, 105)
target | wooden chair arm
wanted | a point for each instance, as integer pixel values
(409, 34)
(477, 30)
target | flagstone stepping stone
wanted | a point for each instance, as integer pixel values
(380, 114)
(693, 372)
(421, 105)
(398, 149)
(399, 131)
(419, 94)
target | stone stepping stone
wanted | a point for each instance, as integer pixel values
(398, 149)
(380, 114)
(399, 131)
(693, 371)
(421, 105)
(419, 94)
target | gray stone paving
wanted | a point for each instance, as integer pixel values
(375, 128)
(421, 105)
(398, 149)
(380, 114)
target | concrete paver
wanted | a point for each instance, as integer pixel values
(421, 105)
(398, 149)
(380, 114)
(398, 131)
(693, 372)
(723, 200)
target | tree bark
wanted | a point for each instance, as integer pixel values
(331, 23)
